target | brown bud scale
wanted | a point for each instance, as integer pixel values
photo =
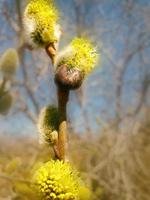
(68, 78)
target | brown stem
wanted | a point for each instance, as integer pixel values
(63, 96)
(51, 51)
(60, 149)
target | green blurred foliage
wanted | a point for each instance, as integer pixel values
(9, 62)
(8, 66)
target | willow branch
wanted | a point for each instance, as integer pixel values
(61, 147)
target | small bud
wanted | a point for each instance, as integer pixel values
(40, 26)
(48, 125)
(9, 62)
(68, 78)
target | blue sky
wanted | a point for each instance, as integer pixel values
(106, 23)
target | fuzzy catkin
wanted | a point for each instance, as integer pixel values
(39, 21)
(48, 124)
(59, 180)
(79, 54)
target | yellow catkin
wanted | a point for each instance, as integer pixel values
(80, 54)
(58, 180)
(40, 19)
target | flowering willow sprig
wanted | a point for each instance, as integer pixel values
(40, 23)
(74, 63)
(58, 180)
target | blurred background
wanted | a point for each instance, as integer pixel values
(109, 117)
